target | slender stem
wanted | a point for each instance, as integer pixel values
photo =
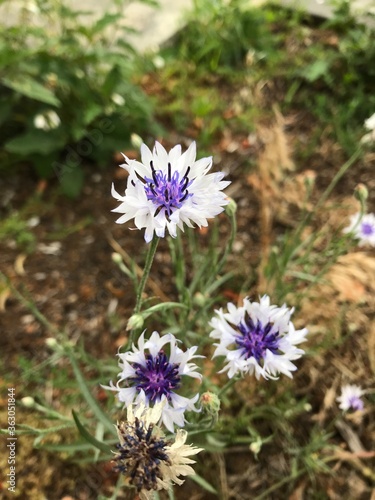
(138, 304)
(292, 248)
(336, 178)
(149, 259)
(227, 386)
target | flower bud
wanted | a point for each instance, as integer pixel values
(136, 321)
(28, 401)
(361, 193)
(231, 208)
(51, 343)
(256, 446)
(116, 258)
(309, 179)
(136, 140)
(210, 404)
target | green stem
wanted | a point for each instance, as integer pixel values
(227, 386)
(306, 220)
(146, 272)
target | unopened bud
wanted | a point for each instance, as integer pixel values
(231, 208)
(199, 299)
(361, 193)
(309, 179)
(210, 404)
(28, 401)
(256, 446)
(116, 258)
(136, 140)
(51, 343)
(136, 321)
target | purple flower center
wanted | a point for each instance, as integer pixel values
(157, 378)
(356, 403)
(367, 229)
(255, 339)
(167, 191)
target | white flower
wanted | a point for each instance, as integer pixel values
(146, 457)
(257, 338)
(362, 228)
(370, 122)
(350, 397)
(369, 125)
(47, 121)
(152, 376)
(168, 190)
(118, 99)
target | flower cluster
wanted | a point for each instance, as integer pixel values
(146, 457)
(167, 190)
(257, 338)
(362, 227)
(152, 376)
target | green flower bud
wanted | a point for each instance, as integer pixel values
(231, 208)
(136, 140)
(28, 401)
(116, 258)
(210, 404)
(51, 343)
(361, 193)
(136, 321)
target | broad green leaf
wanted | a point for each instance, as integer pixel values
(103, 22)
(30, 88)
(35, 141)
(315, 70)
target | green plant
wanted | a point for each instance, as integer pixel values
(67, 91)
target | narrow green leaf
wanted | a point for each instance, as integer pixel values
(86, 435)
(97, 411)
(203, 483)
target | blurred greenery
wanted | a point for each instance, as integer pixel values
(67, 90)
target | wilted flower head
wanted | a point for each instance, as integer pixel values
(362, 228)
(257, 338)
(350, 397)
(146, 457)
(152, 376)
(168, 190)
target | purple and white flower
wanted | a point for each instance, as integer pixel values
(169, 189)
(152, 375)
(350, 397)
(257, 338)
(362, 228)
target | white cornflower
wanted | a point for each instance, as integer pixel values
(168, 190)
(370, 126)
(350, 397)
(149, 460)
(362, 228)
(152, 376)
(257, 338)
(47, 121)
(370, 122)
